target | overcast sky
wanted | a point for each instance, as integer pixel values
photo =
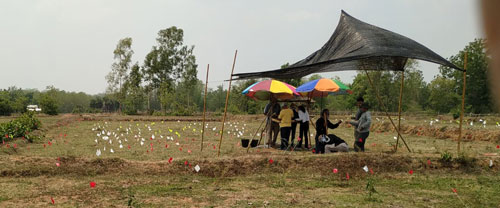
(69, 44)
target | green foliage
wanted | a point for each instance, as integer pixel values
(446, 157)
(5, 104)
(170, 71)
(48, 101)
(134, 97)
(21, 127)
(441, 98)
(118, 75)
(477, 96)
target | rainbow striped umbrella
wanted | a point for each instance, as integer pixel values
(263, 90)
(323, 87)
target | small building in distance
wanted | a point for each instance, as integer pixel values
(33, 108)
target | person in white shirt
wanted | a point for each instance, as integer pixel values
(304, 127)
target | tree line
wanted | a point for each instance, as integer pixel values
(165, 83)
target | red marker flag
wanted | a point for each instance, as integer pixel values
(454, 190)
(347, 176)
(498, 146)
(428, 162)
(92, 184)
(170, 160)
(410, 172)
(371, 171)
(360, 140)
(166, 145)
(186, 162)
(271, 161)
(52, 200)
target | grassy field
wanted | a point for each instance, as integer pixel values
(150, 162)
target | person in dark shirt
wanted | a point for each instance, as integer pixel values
(272, 110)
(336, 144)
(294, 123)
(321, 130)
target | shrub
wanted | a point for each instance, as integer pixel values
(21, 127)
(446, 157)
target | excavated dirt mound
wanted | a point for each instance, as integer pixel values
(444, 132)
(244, 165)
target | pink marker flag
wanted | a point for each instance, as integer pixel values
(298, 139)
(335, 170)
(371, 171)
(58, 164)
(347, 176)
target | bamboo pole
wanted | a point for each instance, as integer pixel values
(387, 114)
(227, 99)
(400, 104)
(463, 103)
(204, 108)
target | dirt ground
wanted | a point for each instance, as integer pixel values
(152, 162)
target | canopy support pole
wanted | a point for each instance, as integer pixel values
(399, 108)
(387, 114)
(204, 108)
(227, 99)
(463, 103)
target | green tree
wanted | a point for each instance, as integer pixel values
(118, 75)
(168, 62)
(5, 104)
(48, 101)
(442, 98)
(134, 99)
(477, 97)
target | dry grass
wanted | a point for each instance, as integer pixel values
(140, 177)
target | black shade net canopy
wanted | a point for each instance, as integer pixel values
(356, 45)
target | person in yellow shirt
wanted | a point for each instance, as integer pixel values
(285, 117)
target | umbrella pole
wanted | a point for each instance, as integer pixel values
(204, 108)
(399, 107)
(463, 103)
(387, 114)
(227, 99)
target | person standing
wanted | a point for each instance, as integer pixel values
(362, 128)
(359, 102)
(294, 123)
(272, 110)
(321, 130)
(304, 127)
(285, 119)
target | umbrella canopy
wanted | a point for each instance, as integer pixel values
(263, 90)
(323, 87)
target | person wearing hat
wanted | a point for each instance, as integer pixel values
(362, 127)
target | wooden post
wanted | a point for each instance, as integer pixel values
(387, 114)
(400, 104)
(463, 103)
(227, 99)
(204, 108)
